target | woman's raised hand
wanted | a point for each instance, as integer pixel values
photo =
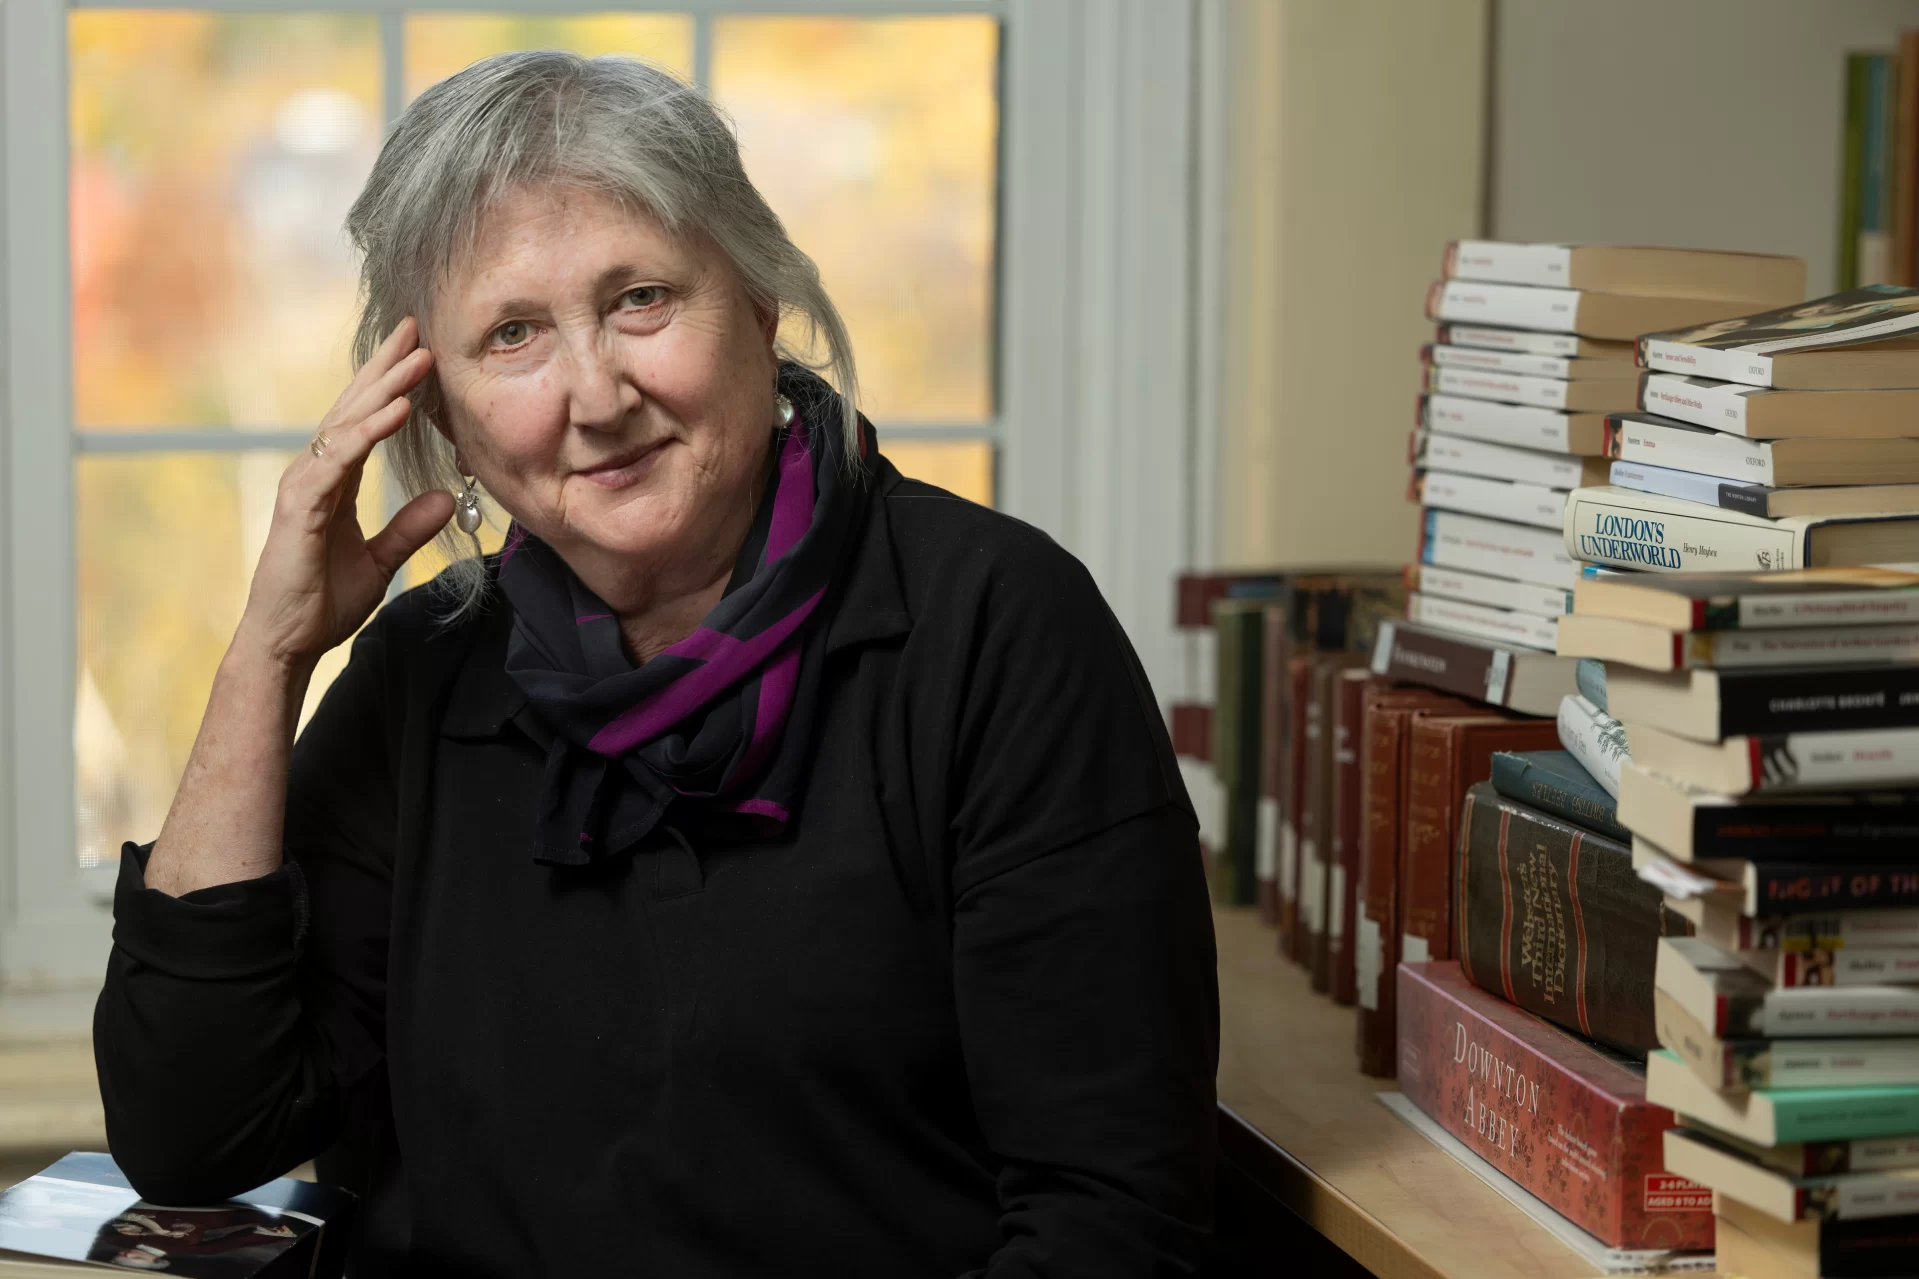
(319, 578)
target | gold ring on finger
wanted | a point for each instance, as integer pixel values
(319, 444)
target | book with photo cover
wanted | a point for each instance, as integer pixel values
(80, 1214)
(1862, 339)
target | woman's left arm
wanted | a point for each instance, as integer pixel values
(1084, 965)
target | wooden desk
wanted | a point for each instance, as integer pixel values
(1310, 1133)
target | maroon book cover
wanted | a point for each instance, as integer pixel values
(1382, 797)
(1292, 941)
(1348, 713)
(1564, 1119)
(1271, 759)
(1320, 889)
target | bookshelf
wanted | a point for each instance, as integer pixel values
(1299, 1120)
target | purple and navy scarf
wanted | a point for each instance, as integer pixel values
(720, 718)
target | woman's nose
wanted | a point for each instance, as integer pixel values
(599, 394)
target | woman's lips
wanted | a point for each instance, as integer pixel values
(622, 472)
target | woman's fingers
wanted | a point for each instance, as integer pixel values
(314, 483)
(365, 396)
(412, 527)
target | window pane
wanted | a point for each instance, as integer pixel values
(438, 44)
(964, 467)
(167, 546)
(214, 159)
(876, 142)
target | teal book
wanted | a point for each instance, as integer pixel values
(1591, 678)
(1556, 783)
(1781, 1116)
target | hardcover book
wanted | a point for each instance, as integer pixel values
(1382, 799)
(1552, 917)
(1645, 270)
(1661, 441)
(1272, 759)
(1862, 339)
(1620, 527)
(1568, 1122)
(1556, 783)
(1349, 713)
(1445, 757)
(1236, 745)
(80, 1214)
(1318, 864)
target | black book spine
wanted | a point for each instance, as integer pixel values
(1869, 1247)
(1768, 700)
(1862, 831)
(1787, 886)
(1753, 499)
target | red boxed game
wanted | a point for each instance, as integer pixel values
(1563, 1118)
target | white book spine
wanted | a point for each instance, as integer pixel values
(1601, 528)
(1704, 361)
(1497, 624)
(1369, 960)
(1499, 592)
(1515, 363)
(1840, 607)
(1522, 306)
(1495, 499)
(1510, 388)
(1266, 840)
(1681, 448)
(1335, 900)
(1719, 405)
(1851, 1063)
(1870, 1154)
(1808, 761)
(1826, 1010)
(1863, 1198)
(1560, 344)
(1809, 646)
(1520, 425)
(1498, 549)
(1594, 738)
(1464, 456)
(1541, 264)
(1689, 485)
(1847, 966)
(1312, 887)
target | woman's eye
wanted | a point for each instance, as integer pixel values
(644, 296)
(512, 333)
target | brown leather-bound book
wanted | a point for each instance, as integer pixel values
(1382, 798)
(1272, 667)
(1316, 900)
(1299, 672)
(1349, 705)
(1444, 758)
(1552, 917)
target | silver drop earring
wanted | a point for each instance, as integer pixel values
(782, 412)
(466, 509)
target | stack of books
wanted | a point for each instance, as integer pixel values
(1762, 717)
(1535, 348)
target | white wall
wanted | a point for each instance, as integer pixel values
(1713, 123)
(1353, 153)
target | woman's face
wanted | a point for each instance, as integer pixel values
(611, 387)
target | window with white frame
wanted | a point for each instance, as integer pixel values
(214, 154)
(1001, 195)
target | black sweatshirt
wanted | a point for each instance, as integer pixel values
(959, 1019)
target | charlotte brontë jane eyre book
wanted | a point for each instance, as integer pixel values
(1567, 1121)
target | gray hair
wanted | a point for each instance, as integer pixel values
(612, 126)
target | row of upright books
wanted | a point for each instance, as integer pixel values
(1633, 881)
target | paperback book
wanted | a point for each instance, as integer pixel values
(1648, 439)
(1861, 339)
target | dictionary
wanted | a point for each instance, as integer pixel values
(1538, 1102)
(1617, 526)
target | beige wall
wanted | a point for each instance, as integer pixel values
(1354, 145)
(1693, 122)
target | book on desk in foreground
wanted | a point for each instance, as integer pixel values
(80, 1214)
(1528, 1097)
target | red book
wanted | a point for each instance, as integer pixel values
(1382, 799)
(1444, 757)
(1320, 890)
(1349, 706)
(1299, 673)
(1565, 1120)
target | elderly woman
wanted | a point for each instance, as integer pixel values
(765, 865)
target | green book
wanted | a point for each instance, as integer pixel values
(1852, 168)
(1777, 1116)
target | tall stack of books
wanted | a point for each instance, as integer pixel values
(1534, 349)
(1762, 713)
